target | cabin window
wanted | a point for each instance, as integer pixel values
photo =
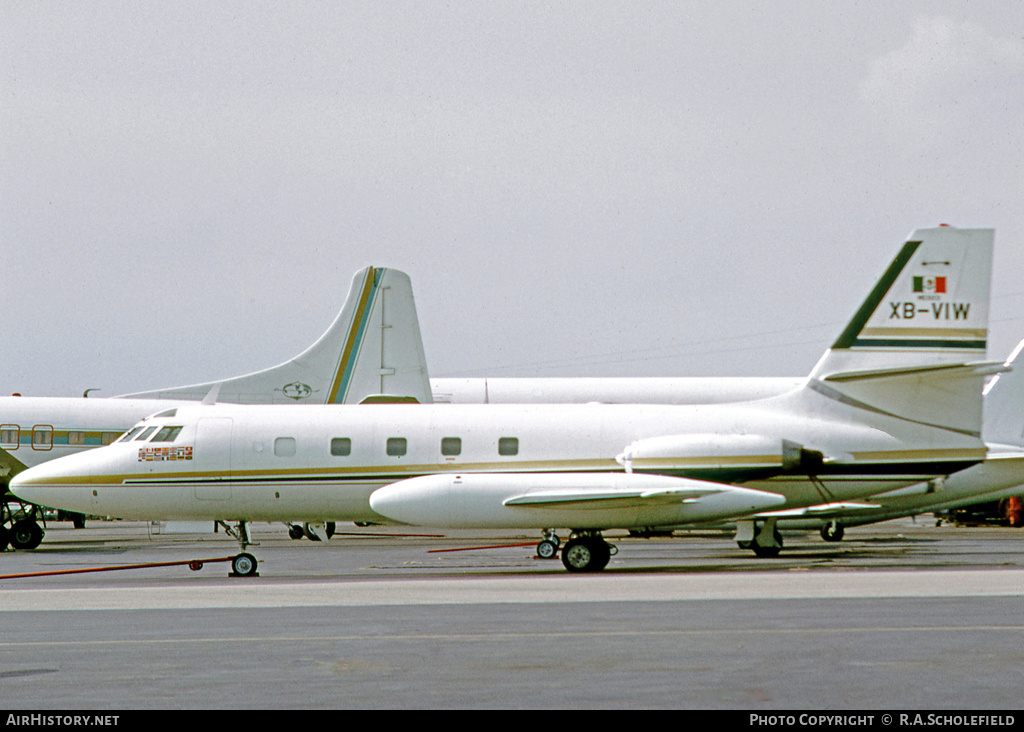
(42, 437)
(10, 436)
(451, 446)
(76, 438)
(107, 438)
(341, 446)
(397, 446)
(167, 434)
(508, 446)
(145, 434)
(284, 447)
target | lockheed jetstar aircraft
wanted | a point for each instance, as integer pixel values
(895, 401)
(372, 348)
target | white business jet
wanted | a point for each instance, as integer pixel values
(373, 348)
(896, 400)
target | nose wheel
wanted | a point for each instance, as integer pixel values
(244, 565)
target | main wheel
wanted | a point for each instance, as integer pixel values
(586, 554)
(26, 534)
(243, 565)
(766, 552)
(832, 531)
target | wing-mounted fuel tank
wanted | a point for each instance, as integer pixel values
(723, 456)
(575, 500)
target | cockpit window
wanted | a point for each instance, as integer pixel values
(146, 433)
(167, 434)
(130, 434)
(167, 413)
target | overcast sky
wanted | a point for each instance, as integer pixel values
(591, 188)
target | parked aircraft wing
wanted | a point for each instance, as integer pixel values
(9, 466)
(824, 510)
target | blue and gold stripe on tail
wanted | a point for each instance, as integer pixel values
(350, 354)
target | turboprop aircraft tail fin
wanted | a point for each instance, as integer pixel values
(373, 348)
(915, 349)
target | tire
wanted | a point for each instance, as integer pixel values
(26, 534)
(547, 549)
(244, 565)
(766, 552)
(832, 531)
(586, 554)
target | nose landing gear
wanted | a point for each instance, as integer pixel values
(243, 564)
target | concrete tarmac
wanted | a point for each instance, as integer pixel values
(903, 615)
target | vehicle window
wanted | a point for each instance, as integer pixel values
(131, 433)
(76, 438)
(10, 435)
(108, 437)
(341, 446)
(508, 446)
(284, 446)
(145, 434)
(451, 446)
(397, 446)
(167, 434)
(42, 437)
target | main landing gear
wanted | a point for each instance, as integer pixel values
(243, 564)
(759, 536)
(832, 531)
(19, 524)
(320, 531)
(587, 551)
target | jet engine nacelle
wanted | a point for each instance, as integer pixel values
(573, 500)
(719, 452)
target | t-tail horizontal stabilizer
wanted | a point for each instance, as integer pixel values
(915, 349)
(373, 348)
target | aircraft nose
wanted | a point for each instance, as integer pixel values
(56, 483)
(33, 486)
